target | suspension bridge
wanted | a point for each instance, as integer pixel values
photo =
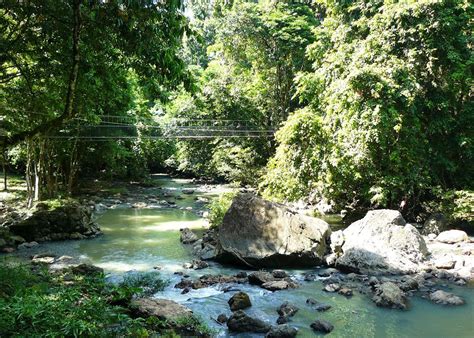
(128, 127)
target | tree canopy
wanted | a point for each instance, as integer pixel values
(370, 102)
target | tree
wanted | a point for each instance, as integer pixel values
(390, 85)
(253, 53)
(73, 59)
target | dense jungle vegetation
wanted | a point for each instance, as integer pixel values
(371, 100)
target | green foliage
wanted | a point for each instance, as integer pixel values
(219, 206)
(456, 205)
(293, 172)
(38, 304)
(128, 61)
(196, 325)
(144, 283)
(390, 88)
(253, 52)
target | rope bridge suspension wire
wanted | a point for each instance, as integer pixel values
(122, 127)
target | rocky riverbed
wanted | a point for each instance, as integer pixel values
(435, 299)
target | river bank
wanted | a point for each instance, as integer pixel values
(141, 238)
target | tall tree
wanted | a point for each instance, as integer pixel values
(390, 90)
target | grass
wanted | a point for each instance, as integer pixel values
(35, 302)
(144, 283)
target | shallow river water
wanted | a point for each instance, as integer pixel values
(139, 239)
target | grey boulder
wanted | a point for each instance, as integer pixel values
(381, 242)
(260, 233)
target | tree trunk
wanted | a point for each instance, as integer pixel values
(29, 176)
(4, 165)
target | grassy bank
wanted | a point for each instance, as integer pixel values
(74, 302)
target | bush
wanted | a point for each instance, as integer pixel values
(219, 206)
(456, 205)
(35, 303)
(144, 283)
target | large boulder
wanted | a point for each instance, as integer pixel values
(260, 233)
(381, 242)
(69, 220)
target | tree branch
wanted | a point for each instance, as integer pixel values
(71, 90)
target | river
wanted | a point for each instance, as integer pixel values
(140, 239)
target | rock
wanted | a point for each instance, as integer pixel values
(208, 280)
(345, 292)
(322, 326)
(279, 274)
(445, 298)
(27, 245)
(409, 283)
(445, 262)
(282, 331)
(40, 259)
(239, 301)
(188, 191)
(320, 307)
(287, 310)
(382, 242)
(373, 281)
(187, 236)
(260, 277)
(8, 250)
(87, 270)
(17, 239)
(163, 309)
(327, 272)
(261, 233)
(76, 235)
(452, 236)
(241, 274)
(332, 288)
(61, 222)
(196, 264)
(389, 295)
(276, 285)
(435, 224)
(205, 251)
(222, 318)
(337, 241)
(331, 259)
(241, 322)
(309, 277)
(282, 320)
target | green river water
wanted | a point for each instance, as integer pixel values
(139, 239)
